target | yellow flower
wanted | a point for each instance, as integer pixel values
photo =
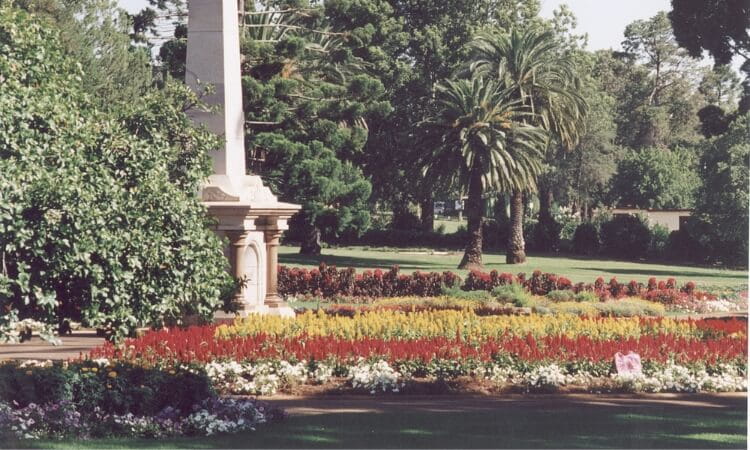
(112, 374)
(94, 369)
(84, 369)
(464, 323)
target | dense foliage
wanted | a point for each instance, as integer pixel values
(625, 237)
(656, 178)
(651, 106)
(97, 398)
(723, 198)
(99, 222)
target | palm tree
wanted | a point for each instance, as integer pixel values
(475, 120)
(543, 77)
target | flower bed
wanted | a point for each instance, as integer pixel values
(96, 398)
(330, 282)
(387, 350)
(490, 306)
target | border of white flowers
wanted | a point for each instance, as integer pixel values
(268, 378)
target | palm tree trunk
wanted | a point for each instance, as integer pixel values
(473, 254)
(515, 253)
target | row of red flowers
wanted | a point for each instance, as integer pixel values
(328, 281)
(199, 344)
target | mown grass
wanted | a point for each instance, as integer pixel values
(577, 269)
(505, 426)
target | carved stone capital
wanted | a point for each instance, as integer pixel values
(215, 194)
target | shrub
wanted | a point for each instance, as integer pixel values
(586, 239)
(561, 296)
(587, 296)
(577, 308)
(481, 281)
(542, 283)
(692, 243)
(630, 307)
(460, 294)
(119, 388)
(664, 296)
(659, 241)
(99, 221)
(625, 236)
(512, 293)
(347, 286)
(546, 235)
(328, 281)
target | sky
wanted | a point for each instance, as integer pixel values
(603, 20)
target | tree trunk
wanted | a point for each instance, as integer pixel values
(515, 253)
(473, 254)
(427, 212)
(545, 200)
(310, 240)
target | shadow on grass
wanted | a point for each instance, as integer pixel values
(590, 426)
(666, 273)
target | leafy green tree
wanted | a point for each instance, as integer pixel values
(667, 115)
(656, 178)
(430, 47)
(99, 221)
(718, 26)
(581, 175)
(96, 33)
(721, 28)
(723, 196)
(720, 86)
(545, 81)
(484, 145)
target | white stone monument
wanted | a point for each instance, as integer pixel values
(248, 214)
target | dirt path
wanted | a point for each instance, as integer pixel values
(72, 346)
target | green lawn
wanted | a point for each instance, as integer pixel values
(510, 426)
(577, 269)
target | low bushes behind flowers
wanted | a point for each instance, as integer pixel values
(329, 283)
(98, 398)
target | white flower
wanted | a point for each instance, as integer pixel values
(375, 376)
(545, 376)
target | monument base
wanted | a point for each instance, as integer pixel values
(282, 311)
(252, 220)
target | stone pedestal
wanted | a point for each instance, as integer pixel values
(253, 235)
(247, 213)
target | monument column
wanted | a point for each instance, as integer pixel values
(245, 210)
(237, 260)
(273, 299)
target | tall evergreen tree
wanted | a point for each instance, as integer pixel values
(310, 89)
(96, 33)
